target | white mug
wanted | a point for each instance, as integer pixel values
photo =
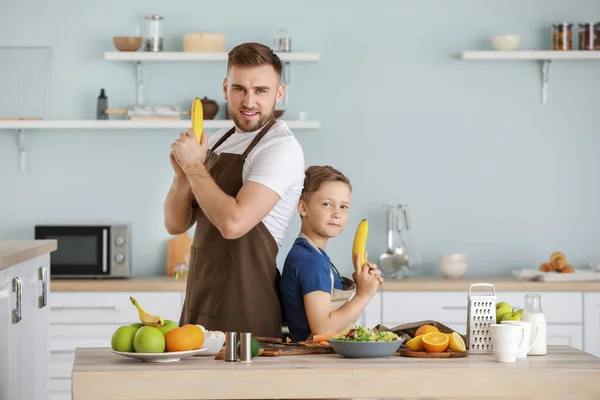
(530, 337)
(507, 340)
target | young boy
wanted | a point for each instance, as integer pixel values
(315, 298)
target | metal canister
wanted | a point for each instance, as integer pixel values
(230, 346)
(246, 347)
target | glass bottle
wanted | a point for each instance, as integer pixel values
(533, 312)
(153, 40)
(562, 36)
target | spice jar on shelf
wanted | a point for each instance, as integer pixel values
(587, 36)
(562, 36)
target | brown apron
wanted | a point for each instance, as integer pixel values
(232, 285)
(339, 297)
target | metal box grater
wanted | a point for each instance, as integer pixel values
(481, 312)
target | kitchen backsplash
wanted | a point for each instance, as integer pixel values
(486, 168)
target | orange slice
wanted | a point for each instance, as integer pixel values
(416, 343)
(435, 342)
(456, 342)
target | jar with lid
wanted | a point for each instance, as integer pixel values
(153, 40)
(587, 36)
(562, 36)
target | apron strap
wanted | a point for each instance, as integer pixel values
(262, 133)
(223, 138)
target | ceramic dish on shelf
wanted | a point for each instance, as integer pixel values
(165, 357)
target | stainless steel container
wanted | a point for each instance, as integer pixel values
(246, 347)
(230, 346)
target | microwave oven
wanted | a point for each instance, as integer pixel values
(88, 251)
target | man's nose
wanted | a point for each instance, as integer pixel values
(249, 99)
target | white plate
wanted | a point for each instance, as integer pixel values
(578, 275)
(160, 357)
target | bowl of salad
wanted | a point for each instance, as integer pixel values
(360, 342)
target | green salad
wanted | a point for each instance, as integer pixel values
(360, 334)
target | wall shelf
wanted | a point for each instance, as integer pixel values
(19, 127)
(127, 124)
(189, 56)
(543, 56)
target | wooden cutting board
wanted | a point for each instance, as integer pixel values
(404, 352)
(177, 248)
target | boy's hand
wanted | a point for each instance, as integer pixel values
(366, 277)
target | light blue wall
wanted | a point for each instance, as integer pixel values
(485, 167)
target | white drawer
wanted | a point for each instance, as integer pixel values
(451, 307)
(558, 307)
(111, 307)
(404, 307)
(60, 386)
(61, 364)
(69, 337)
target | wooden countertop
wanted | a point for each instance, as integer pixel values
(17, 251)
(429, 283)
(563, 373)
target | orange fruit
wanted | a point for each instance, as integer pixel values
(416, 343)
(435, 342)
(198, 332)
(426, 329)
(456, 342)
(181, 339)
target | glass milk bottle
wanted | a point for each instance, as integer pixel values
(533, 312)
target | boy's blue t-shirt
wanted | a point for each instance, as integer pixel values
(305, 270)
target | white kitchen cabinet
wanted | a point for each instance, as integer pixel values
(591, 317)
(88, 319)
(24, 329)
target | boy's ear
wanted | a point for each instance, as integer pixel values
(302, 208)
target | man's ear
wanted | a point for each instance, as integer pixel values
(302, 208)
(225, 88)
(280, 93)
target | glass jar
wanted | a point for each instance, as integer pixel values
(532, 312)
(562, 36)
(587, 36)
(153, 40)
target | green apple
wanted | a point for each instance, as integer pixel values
(137, 325)
(512, 316)
(168, 326)
(501, 309)
(122, 338)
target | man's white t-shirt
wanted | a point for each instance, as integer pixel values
(277, 161)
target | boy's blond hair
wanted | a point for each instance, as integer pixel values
(317, 175)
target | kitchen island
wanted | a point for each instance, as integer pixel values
(564, 373)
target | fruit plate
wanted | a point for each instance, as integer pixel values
(165, 357)
(365, 349)
(405, 352)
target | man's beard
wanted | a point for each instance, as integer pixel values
(245, 125)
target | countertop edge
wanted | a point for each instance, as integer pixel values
(412, 284)
(14, 252)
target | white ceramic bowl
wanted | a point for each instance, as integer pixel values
(506, 42)
(453, 266)
(213, 345)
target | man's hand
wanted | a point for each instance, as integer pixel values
(176, 168)
(188, 153)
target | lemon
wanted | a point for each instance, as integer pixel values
(457, 343)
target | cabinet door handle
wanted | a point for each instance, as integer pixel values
(454, 307)
(18, 289)
(43, 277)
(84, 308)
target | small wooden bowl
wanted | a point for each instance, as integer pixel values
(127, 43)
